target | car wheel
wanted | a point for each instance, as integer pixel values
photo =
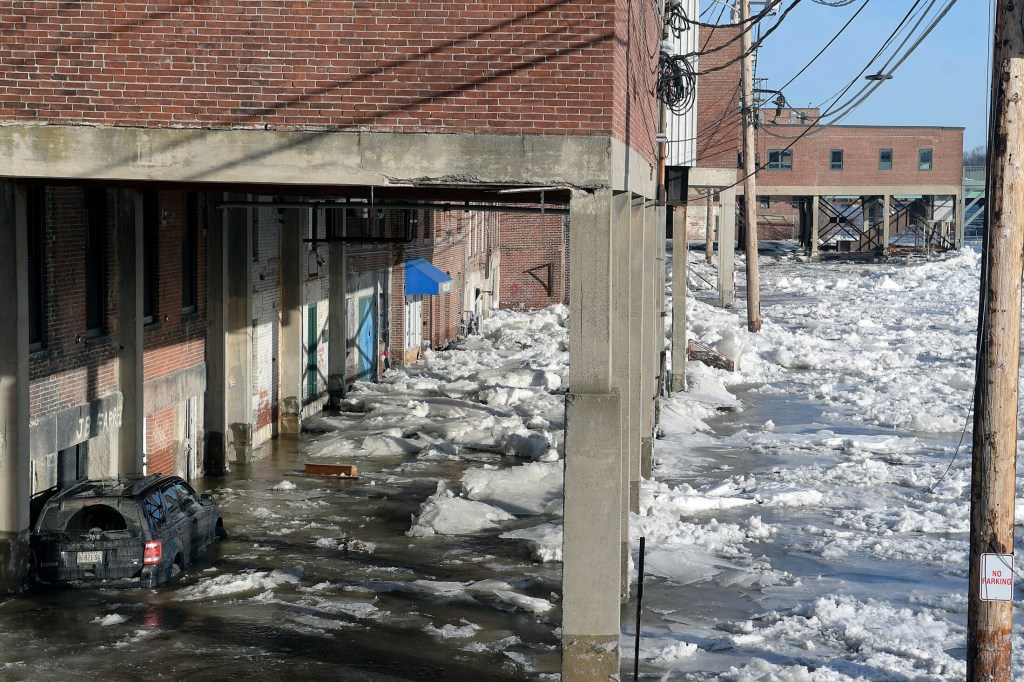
(219, 530)
(176, 567)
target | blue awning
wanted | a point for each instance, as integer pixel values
(421, 277)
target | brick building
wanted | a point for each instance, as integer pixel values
(875, 188)
(235, 124)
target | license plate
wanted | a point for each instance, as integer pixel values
(89, 557)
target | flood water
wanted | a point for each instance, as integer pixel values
(316, 581)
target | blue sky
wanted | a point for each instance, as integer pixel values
(944, 82)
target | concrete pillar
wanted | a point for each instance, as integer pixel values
(289, 355)
(885, 225)
(649, 359)
(215, 413)
(337, 320)
(622, 343)
(15, 483)
(680, 253)
(727, 249)
(591, 569)
(958, 228)
(815, 227)
(238, 336)
(709, 227)
(131, 440)
(638, 334)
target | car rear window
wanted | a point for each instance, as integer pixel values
(109, 516)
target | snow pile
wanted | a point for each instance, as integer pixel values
(445, 514)
(235, 584)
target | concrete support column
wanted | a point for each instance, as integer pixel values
(337, 322)
(289, 356)
(958, 228)
(131, 440)
(815, 227)
(885, 224)
(638, 334)
(727, 249)
(709, 228)
(15, 483)
(215, 413)
(622, 346)
(680, 253)
(238, 337)
(649, 359)
(591, 569)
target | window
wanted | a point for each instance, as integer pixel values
(835, 159)
(36, 210)
(153, 506)
(189, 249)
(765, 202)
(410, 224)
(780, 159)
(95, 260)
(924, 159)
(150, 249)
(885, 159)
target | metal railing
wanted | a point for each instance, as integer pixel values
(974, 173)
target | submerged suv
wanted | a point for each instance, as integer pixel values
(120, 532)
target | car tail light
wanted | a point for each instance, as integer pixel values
(152, 553)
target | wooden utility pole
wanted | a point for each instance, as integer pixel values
(996, 398)
(749, 168)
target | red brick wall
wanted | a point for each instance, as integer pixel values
(528, 247)
(71, 370)
(407, 65)
(860, 145)
(718, 96)
(638, 35)
(160, 441)
(176, 340)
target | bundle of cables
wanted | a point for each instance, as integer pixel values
(677, 82)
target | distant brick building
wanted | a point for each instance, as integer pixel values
(878, 187)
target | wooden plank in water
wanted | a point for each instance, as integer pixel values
(343, 470)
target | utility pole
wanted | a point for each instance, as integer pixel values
(749, 169)
(989, 616)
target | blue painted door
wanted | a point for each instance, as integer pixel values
(366, 340)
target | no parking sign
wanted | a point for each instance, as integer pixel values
(997, 577)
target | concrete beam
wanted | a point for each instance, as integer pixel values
(15, 482)
(239, 334)
(727, 249)
(855, 190)
(306, 158)
(290, 352)
(712, 177)
(131, 442)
